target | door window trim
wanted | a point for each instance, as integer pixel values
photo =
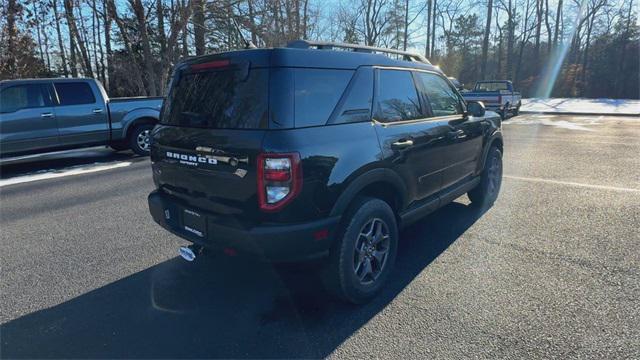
(420, 96)
(461, 101)
(376, 96)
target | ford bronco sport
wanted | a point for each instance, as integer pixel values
(307, 152)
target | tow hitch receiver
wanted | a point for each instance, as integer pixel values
(190, 252)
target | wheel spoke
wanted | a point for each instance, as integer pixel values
(366, 269)
(379, 255)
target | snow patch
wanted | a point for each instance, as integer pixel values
(579, 105)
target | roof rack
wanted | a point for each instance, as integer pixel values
(323, 45)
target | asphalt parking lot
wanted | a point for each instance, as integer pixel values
(552, 270)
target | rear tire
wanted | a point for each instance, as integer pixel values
(363, 256)
(139, 139)
(486, 192)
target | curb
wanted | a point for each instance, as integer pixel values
(577, 113)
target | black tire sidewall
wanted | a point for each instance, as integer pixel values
(481, 194)
(350, 286)
(133, 143)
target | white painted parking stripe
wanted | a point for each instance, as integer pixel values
(76, 170)
(571, 183)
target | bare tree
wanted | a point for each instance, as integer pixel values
(75, 38)
(485, 41)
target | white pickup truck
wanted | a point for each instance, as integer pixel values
(497, 95)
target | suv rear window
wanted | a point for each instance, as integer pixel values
(226, 99)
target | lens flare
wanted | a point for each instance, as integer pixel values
(553, 66)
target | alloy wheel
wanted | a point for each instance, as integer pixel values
(371, 251)
(143, 140)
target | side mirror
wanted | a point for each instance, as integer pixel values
(476, 108)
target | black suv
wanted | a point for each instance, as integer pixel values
(307, 152)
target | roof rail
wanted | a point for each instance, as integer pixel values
(323, 45)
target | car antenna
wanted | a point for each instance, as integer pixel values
(247, 43)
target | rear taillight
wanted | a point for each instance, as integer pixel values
(279, 180)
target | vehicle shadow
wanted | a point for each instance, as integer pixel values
(60, 161)
(221, 307)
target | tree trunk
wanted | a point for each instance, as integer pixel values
(35, 13)
(623, 55)
(73, 61)
(198, 26)
(12, 10)
(74, 36)
(107, 47)
(538, 30)
(547, 25)
(95, 25)
(485, 42)
(63, 55)
(433, 28)
(510, 39)
(585, 61)
(558, 21)
(427, 48)
(405, 36)
(138, 10)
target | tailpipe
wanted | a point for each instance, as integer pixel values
(190, 252)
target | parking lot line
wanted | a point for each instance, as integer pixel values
(571, 183)
(77, 170)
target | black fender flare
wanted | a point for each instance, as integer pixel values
(384, 175)
(493, 139)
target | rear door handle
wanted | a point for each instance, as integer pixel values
(402, 144)
(97, 111)
(46, 115)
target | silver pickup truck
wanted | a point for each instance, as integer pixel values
(44, 115)
(497, 95)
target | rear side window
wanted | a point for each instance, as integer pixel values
(316, 93)
(74, 93)
(25, 96)
(442, 98)
(356, 106)
(225, 99)
(397, 98)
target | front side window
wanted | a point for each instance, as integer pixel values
(74, 93)
(21, 97)
(442, 98)
(397, 98)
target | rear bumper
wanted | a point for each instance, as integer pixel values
(278, 243)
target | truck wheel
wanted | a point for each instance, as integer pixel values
(139, 139)
(364, 254)
(486, 192)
